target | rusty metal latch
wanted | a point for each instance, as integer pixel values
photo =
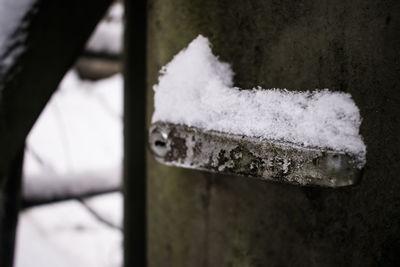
(193, 148)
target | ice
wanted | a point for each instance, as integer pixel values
(75, 147)
(196, 89)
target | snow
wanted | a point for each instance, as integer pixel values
(116, 11)
(12, 13)
(107, 37)
(108, 207)
(75, 147)
(66, 234)
(196, 89)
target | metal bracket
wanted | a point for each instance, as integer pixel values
(189, 147)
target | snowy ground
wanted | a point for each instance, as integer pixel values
(107, 37)
(75, 147)
(70, 233)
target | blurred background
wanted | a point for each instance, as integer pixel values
(72, 204)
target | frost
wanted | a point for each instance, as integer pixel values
(196, 89)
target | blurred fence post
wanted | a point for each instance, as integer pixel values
(56, 34)
(135, 227)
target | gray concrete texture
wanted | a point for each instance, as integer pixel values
(202, 219)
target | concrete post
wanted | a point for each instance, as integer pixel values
(202, 219)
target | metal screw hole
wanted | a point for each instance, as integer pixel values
(159, 143)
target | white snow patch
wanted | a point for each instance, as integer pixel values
(66, 234)
(196, 89)
(107, 37)
(12, 13)
(116, 11)
(108, 207)
(75, 146)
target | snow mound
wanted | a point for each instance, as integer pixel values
(196, 89)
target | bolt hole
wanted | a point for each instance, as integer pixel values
(159, 143)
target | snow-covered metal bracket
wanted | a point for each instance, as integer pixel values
(193, 148)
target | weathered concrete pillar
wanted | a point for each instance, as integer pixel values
(201, 219)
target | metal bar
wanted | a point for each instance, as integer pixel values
(10, 197)
(190, 147)
(135, 134)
